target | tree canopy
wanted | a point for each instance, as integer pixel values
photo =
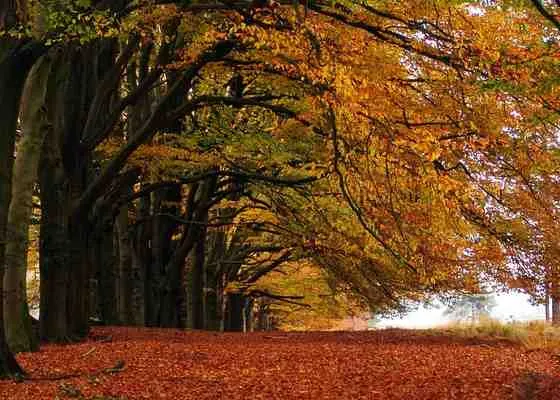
(188, 160)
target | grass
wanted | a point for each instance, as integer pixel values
(533, 335)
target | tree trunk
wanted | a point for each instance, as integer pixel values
(64, 173)
(64, 258)
(234, 313)
(197, 288)
(170, 273)
(34, 126)
(125, 280)
(248, 315)
(183, 305)
(555, 310)
(78, 299)
(547, 306)
(140, 237)
(214, 275)
(554, 294)
(141, 259)
(53, 254)
(11, 83)
(15, 62)
(56, 247)
(104, 262)
(197, 280)
(153, 268)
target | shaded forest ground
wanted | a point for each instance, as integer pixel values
(129, 363)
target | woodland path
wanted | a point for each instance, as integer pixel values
(387, 364)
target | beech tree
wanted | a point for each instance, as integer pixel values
(34, 127)
(185, 151)
(16, 59)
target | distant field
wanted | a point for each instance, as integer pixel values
(128, 363)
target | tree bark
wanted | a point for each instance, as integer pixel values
(555, 310)
(141, 258)
(125, 279)
(547, 306)
(198, 267)
(234, 313)
(11, 83)
(140, 237)
(65, 172)
(554, 293)
(19, 332)
(215, 276)
(53, 254)
(197, 280)
(56, 246)
(103, 263)
(15, 62)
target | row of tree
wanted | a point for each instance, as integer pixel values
(177, 153)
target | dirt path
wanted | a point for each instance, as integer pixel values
(391, 364)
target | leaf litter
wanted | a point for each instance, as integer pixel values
(143, 363)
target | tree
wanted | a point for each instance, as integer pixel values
(521, 179)
(189, 155)
(66, 161)
(34, 127)
(16, 58)
(457, 146)
(417, 146)
(473, 307)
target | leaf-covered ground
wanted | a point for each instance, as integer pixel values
(389, 364)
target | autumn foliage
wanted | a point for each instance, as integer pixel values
(129, 363)
(254, 166)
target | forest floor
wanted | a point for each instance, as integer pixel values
(129, 363)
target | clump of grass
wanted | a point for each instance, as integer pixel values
(533, 335)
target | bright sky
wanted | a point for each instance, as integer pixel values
(509, 307)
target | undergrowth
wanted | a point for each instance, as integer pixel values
(533, 335)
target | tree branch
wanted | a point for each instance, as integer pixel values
(545, 13)
(355, 208)
(285, 299)
(149, 128)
